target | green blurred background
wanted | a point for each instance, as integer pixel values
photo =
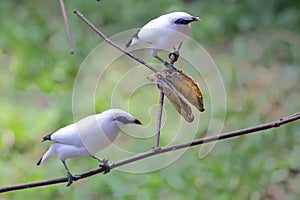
(256, 45)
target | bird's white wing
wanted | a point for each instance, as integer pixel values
(162, 34)
(152, 31)
(145, 34)
(67, 135)
(71, 134)
(99, 134)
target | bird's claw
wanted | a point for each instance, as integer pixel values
(71, 178)
(174, 55)
(105, 166)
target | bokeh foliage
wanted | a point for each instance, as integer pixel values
(256, 47)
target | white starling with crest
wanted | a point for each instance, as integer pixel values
(166, 32)
(87, 137)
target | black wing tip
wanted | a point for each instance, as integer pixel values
(129, 43)
(47, 137)
(134, 36)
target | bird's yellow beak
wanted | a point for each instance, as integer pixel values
(196, 19)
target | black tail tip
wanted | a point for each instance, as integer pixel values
(39, 162)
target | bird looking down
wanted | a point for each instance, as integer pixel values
(164, 33)
(86, 137)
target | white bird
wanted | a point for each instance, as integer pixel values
(86, 137)
(165, 32)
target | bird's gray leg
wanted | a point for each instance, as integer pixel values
(104, 164)
(160, 59)
(71, 178)
(163, 62)
(98, 159)
(154, 54)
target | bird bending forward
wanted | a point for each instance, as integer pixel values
(86, 137)
(164, 33)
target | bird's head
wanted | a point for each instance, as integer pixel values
(123, 117)
(181, 18)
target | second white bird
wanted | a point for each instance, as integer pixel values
(87, 136)
(165, 32)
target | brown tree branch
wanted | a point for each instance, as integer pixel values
(63, 10)
(273, 124)
(112, 43)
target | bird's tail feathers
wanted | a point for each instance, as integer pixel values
(49, 153)
(39, 162)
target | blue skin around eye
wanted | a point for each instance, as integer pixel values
(183, 21)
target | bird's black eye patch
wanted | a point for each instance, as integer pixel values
(182, 21)
(122, 119)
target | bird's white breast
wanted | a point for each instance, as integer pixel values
(65, 151)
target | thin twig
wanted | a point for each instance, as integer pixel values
(63, 9)
(112, 43)
(274, 124)
(161, 104)
(158, 123)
